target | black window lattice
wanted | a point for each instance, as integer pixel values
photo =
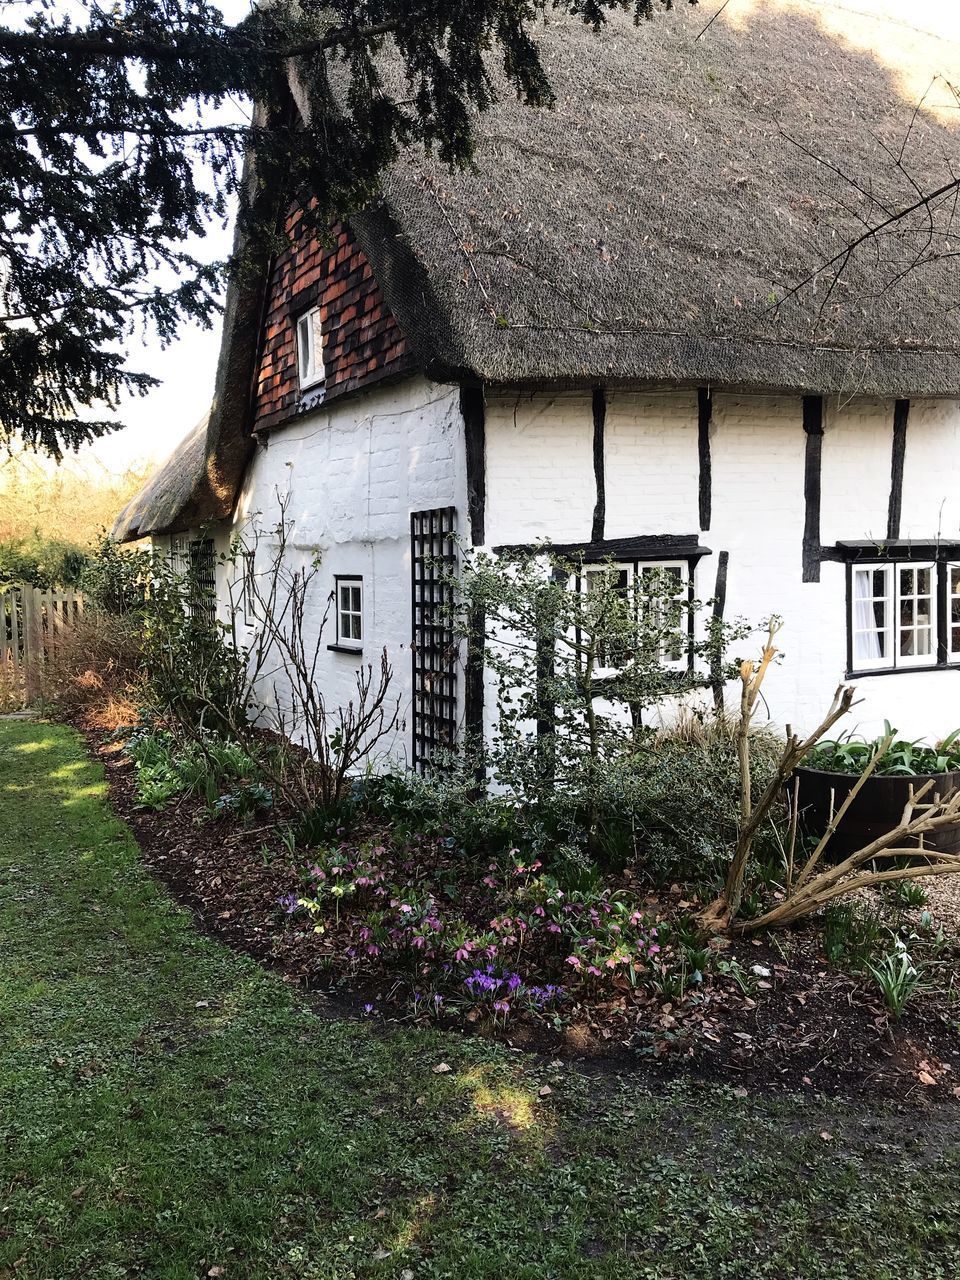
(203, 580)
(433, 547)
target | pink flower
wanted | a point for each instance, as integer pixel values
(574, 962)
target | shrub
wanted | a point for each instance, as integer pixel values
(42, 562)
(96, 671)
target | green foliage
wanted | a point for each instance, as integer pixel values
(118, 580)
(197, 669)
(216, 769)
(908, 893)
(41, 561)
(580, 657)
(852, 934)
(851, 754)
(583, 660)
(896, 976)
(118, 158)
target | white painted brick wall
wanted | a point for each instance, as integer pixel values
(540, 481)
(353, 473)
(540, 484)
(650, 485)
(931, 491)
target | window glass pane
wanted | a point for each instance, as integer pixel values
(870, 614)
(355, 599)
(304, 339)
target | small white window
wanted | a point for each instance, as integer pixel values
(667, 605)
(310, 349)
(349, 600)
(893, 619)
(636, 579)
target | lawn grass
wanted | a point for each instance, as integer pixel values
(168, 1109)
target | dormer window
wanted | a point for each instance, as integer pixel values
(310, 349)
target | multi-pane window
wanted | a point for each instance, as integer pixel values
(661, 588)
(349, 604)
(310, 349)
(904, 614)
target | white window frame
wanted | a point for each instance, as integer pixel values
(894, 630)
(352, 615)
(310, 366)
(634, 569)
(953, 599)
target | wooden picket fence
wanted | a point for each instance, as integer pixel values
(33, 625)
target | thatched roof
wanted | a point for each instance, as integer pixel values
(651, 227)
(687, 180)
(158, 506)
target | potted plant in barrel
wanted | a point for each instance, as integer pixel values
(834, 766)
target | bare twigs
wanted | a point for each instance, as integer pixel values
(812, 888)
(723, 910)
(851, 874)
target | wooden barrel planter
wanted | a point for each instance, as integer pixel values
(877, 808)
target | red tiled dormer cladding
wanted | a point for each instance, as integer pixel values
(362, 343)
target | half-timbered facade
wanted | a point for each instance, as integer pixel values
(591, 339)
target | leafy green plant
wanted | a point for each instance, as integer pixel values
(851, 934)
(244, 802)
(908, 893)
(851, 753)
(582, 653)
(896, 976)
(208, 767)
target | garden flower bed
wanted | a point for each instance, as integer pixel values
(394, 927)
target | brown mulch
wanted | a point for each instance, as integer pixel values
(802, 1026)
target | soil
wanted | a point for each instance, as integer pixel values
(800, 1026)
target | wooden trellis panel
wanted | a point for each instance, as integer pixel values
(434, 649)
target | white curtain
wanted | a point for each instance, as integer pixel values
(866, 631)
